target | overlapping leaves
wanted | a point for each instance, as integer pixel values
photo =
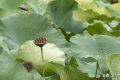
(11, 69)
(87, 50)
(61, 15)
(23, 27)
(96, 47)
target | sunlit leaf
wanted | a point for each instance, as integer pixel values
(117, 6)
(30, 52)
(114, 65)
(99, 7)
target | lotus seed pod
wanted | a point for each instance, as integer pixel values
(40, 41)
(28, 65)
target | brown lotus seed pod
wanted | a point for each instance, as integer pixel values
(41, 41)
(28, 65)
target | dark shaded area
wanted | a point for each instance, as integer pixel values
(1, 50)
(114, 1)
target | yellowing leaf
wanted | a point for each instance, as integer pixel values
(117, 6)
(96, 6)
(86, 4)
(113, 62)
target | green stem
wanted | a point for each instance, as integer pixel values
(96, 71)
(105, 76)
(43, 71)
(42, 54)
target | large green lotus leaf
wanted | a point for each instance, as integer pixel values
(61, 15)
(10, 6)
(2, 12)
(3, 45)
(53, 77)
(103, 18)
(96, 47)
(30, 52)
(97, 28)
(89, 68)
(23, 27)
(66, 73)
(115, 29)
(86, 65)
(36, 74)
(113, 62)
(38, 6)
(11, 69)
